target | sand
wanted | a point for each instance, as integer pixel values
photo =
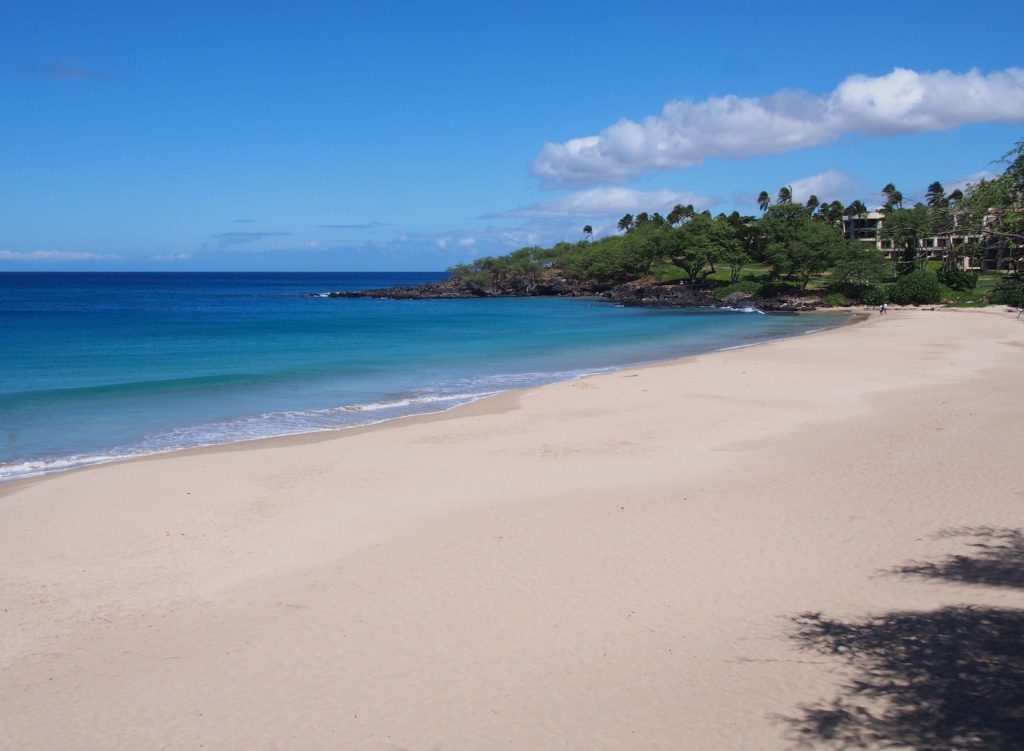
(612, 562)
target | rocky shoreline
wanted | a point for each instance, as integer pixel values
(638, 294)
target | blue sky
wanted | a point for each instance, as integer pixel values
(406, 136)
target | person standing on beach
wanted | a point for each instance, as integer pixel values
(883, 308)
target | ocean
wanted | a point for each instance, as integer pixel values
(102, 366)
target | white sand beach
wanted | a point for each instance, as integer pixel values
(608, 563)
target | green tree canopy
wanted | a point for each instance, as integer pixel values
(811, 250)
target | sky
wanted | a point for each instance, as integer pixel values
(393, 136)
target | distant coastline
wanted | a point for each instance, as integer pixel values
(632, 294)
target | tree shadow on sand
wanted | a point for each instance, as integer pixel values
(951, 678)
(998, 559)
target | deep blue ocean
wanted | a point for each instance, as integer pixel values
(102, 366)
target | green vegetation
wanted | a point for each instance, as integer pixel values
(919, 287)
(959, 280)
(834, 299)
(874, 295)
(1009, 291)
(794, 249)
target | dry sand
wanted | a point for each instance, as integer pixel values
(606, 563)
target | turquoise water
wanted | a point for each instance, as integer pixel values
(103, 366)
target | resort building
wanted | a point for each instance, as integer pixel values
(981, 251)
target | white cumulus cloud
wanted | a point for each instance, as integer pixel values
(687, 132)
(827, 185)
(608, 201)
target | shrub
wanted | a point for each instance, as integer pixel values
(849, 289)
(919, 287)
(774, 289)
(869, 294)
(874, 295)
(958, 280)
(747, 287)
(834, 299)
(1009, 291)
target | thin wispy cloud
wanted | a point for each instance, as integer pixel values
(172, 257)
(68, 71)
(688, 132)
(53, 255)
(961, 183)
(919, 193)
(227, 239)
(242, 221)
(368, 225)
(607, 201)
(464, 243)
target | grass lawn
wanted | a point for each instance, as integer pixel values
(974, 298)
(666, 273)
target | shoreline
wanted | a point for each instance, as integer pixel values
(853, 316)
(611, 562)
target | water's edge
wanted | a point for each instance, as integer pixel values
(34, 470)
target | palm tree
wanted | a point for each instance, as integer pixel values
(786, 194)
(626, 222)
(588, 231)
(835, 212)
(763, 200)
(680, 214)
(812, 202)
(935, 196)
(893, 198)
(857, 209)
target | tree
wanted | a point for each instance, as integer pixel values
(626, 222)
(935, 196)
(835, 212)
(645, 244)
(810, 251)
(893, 198)
(735, 256)
(699, 243)
(857, 209)
(855, 264)
(996, 207)
(786, 194)
(588, 231)
(812, 202)
(609, 260)
(782, 222)
(905, 228)
(680, 214)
